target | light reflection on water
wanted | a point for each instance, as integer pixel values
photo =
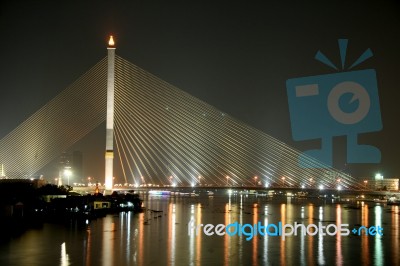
(379, 255)
(282, 242)
(321, 257)
(125, 238)
(339, 256)
(395, 228)
(310, 239)
(64, 261)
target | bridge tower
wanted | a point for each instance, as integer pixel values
(109, 156)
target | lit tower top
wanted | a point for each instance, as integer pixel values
(111, 43)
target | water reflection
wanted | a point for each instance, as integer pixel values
(87, 245)
(195, 238)
(125, 238)
(139, 234)
(64, 256)
(227, 238)
(321, 258)
(379, 255)
(255, 238)
(339, 222)
(108, 240)
(302, 239)
(266, 238)
(199, 237)
(310, 220)
(282, 242)
(171, 233)
(395, 228)
(364, 238)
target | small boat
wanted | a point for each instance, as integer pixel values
(393, 201)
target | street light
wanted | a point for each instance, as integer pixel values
(378, 176)
(255, 181)
(338, 186)
(227, 180)
(365, 183)
(283, 180)
(67, 173)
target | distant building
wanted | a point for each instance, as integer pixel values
(64, 165)
(77, 166)
(39, 182)
(65, 161)
(380, 183)
(70, 168)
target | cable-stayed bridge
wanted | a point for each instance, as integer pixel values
(163, 136)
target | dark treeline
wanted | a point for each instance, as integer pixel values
(23, 205)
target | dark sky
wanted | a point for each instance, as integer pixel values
(234, 56)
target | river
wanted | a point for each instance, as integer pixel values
(166, 234)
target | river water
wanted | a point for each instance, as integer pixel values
(161, 235)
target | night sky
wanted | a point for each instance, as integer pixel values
(234, 56)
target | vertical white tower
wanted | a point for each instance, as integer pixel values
(110, 115)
